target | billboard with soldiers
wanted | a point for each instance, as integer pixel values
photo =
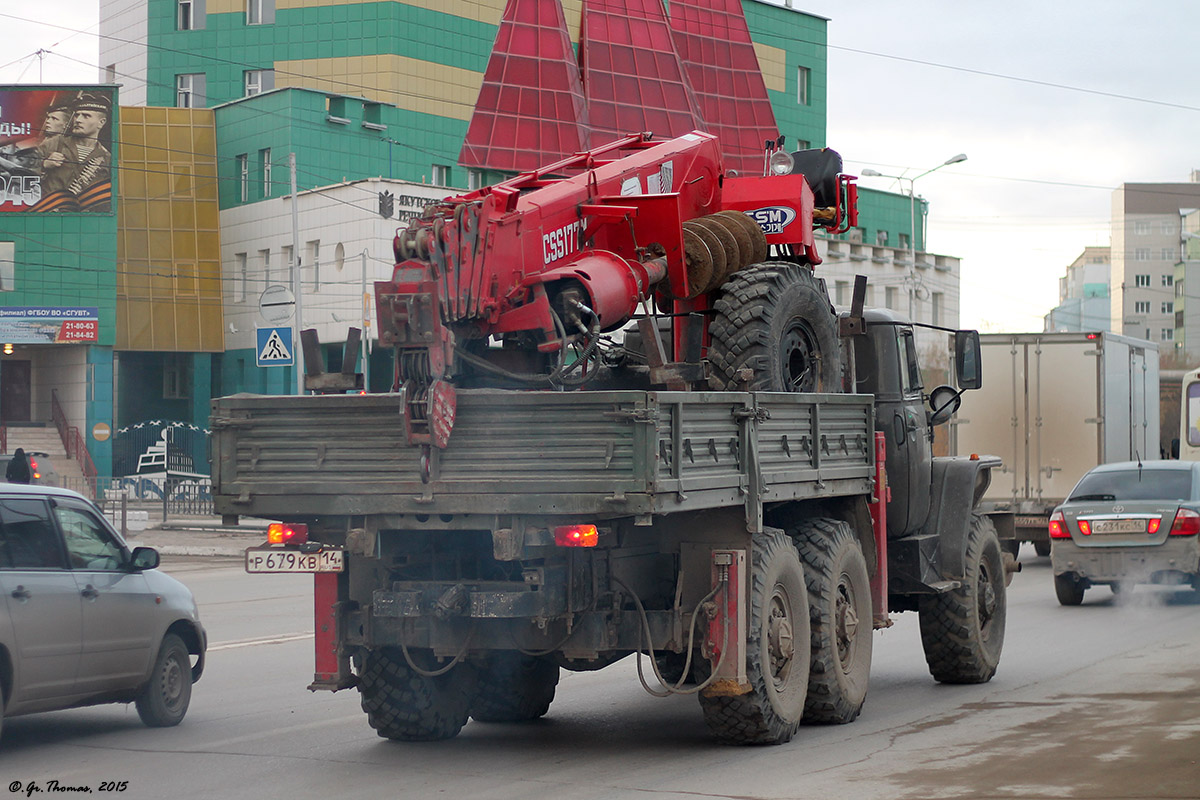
(56, 149)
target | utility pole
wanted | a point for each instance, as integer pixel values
(366, 327)
(297, 284)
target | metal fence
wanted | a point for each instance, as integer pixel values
(162, 498)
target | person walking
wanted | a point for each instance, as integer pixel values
(18, 469)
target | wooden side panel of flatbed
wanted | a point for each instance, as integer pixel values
(602, 453)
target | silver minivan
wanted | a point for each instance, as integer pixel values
(85, 620)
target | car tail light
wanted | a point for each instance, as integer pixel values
(1085, 527)
(34, 468)
(1153, 525)
(1058, 526)
(1187, 523)
(287, 533)
(576, 536)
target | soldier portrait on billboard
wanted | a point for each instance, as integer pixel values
(56, 149)
(75, 165)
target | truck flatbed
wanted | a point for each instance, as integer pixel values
(602, 453)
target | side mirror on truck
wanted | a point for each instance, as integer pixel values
(967, 361)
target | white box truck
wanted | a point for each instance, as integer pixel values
(1053, 406)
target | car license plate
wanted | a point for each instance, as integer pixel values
(276, 559)
(1119, 526)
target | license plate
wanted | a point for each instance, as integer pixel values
(275, 559)
(1119, 526)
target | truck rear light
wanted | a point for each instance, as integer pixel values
(576, 536)
(287, 533)
(1187, 523)
(1085, 527)
(1058, 526)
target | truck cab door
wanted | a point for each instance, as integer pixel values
(909, 450)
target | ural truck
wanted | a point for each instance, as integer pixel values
(1058, 405)
(545, 490)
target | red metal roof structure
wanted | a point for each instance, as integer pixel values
(531, 109)
(714, 44)
(632, 76)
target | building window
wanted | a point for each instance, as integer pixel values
(177, 378)
(1168, 254)
(1168, 280)
(1167, 334)
(242, 278)
(803, 85)
(881, 237)
(314, 258)
(1141, 307)
(260, 12)
(1141, 280)
(474, 179)
(1141, 254)
(265, 257)
(243, 170)
(841, 290)
(891, 296)
(1167, 227)
(257, 81)
(441, 175)
(937, 302)
(110, 73)
(1141, 228)
(190, 90)
(1167, 307)
(8, 266)
(264, 156)
(902, 241)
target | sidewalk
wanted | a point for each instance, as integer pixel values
(199, 536)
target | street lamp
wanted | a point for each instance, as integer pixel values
(912, 218)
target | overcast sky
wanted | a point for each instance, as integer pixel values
(914, 82)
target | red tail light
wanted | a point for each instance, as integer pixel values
(287, 533)
(1187, 523)
(576, 536)
(1153, 525)
(1058, 526)
(1085, 527)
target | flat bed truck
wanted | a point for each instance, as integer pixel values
(741, 489)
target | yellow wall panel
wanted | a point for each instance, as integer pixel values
(408, 83)
(772, 61)
(169, 209)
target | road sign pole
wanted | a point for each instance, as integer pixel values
(297, 284)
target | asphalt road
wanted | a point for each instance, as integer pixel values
(1100, 701)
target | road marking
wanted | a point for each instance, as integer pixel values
(287, 637)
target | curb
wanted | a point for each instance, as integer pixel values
(199, 550)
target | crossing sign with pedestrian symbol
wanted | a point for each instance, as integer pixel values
(275, 347)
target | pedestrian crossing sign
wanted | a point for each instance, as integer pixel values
(275, 347)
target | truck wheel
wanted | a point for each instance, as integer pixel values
(409, 707)
(839, 606)
(775, 320)
(1042, 549)
(962, 631)
(1070, 589)
(776, 660)
(164, 700)
(514, 687)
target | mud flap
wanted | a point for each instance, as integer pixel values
(958, 484)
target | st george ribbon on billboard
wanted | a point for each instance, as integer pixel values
(56, 149)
